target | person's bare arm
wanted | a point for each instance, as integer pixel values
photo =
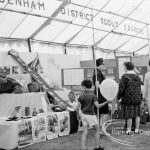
(101, 105)
(77, 110)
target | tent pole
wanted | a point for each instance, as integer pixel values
(94, 58)
(65, 50)
(95, 68)
(148, 40)
(29, 46)
(74, 36)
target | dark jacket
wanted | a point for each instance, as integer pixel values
(7, 87)
(101, 99)
(130, 89)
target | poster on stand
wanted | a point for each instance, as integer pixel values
(24, 132)
(52, 126)
(39, 129)
(64, 123)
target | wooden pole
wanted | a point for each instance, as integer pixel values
(29, 46)
(148, 40)
(94, 58)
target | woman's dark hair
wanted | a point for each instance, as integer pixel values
(87, 83)
(129, 65)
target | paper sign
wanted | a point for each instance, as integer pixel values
(24, 132)
(64, 123)
(52, 126)
(39, 129)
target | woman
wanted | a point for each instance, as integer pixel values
(104, 111)
(130, 95)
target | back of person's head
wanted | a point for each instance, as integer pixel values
(87, 83)
(99, 62)
(129, 65)
(33, 87)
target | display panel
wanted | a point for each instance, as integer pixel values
(73, 76)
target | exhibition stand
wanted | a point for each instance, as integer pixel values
(24, 132)
(27, 101)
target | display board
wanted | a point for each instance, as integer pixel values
(120, 65)
(107, 72)
(72, 76)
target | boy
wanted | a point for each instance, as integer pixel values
(87, 101)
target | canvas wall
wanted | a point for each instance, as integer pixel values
(137, 60)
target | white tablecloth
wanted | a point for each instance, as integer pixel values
(9, 130)
(8, 134)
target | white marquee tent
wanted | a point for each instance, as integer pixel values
(75, 26)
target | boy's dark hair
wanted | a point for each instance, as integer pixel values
(129, 65)
(87, 83)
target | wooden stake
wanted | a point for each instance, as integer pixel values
(148, 39)
(94, 58)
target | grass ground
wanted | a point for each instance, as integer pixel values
(72, 142)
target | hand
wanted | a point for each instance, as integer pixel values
(119, 101)
(110, 106)
(78, 118)
(109, 101)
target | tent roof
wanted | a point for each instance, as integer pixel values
(120, 25)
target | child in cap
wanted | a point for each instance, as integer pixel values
(87, 101)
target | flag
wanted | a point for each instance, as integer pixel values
(35, 64)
